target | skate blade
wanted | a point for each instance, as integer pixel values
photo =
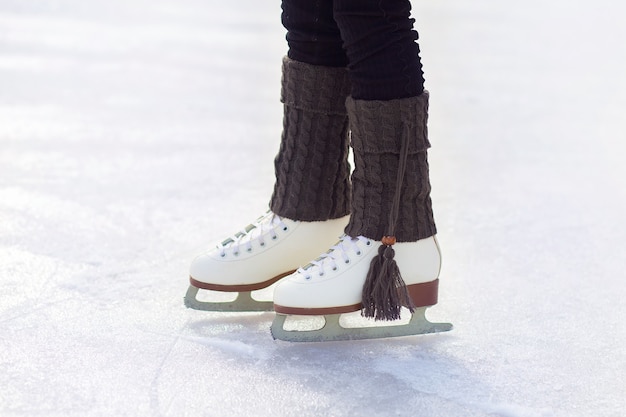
(334, 331)
(243, 302)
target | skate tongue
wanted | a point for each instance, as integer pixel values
(237, 236)
(337, 251)
(318, 261)
(254, 230)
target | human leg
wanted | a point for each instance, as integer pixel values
(311, 196)
(391, 189)
(313, 36)
(381, 47)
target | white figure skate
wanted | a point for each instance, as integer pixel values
(255, 258)
(332, 285)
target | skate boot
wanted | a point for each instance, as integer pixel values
(311, 199)
(255, 258)
(391, 229)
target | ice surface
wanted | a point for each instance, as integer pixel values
(134, 133)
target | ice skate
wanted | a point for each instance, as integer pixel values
(333, 284)
(310, 201)
(255, 258)
(393, 264)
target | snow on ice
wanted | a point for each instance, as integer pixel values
(135, 133)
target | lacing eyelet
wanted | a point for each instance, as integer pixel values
(321, 274)
(249, 250)
(285, 229)
(368, 243)
(262, 244)
(358, 253)
(307, 277)
(334, 268)
(347, 261)
(223, 255)
(274, 237)
(236, 253)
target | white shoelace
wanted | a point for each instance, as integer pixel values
(341, 252)
(256, 232)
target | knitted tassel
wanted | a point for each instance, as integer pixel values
(385, 292)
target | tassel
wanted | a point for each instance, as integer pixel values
(384, 292)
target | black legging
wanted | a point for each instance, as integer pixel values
(373, 38)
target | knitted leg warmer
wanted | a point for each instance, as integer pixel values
(312, 170)
(379, 130)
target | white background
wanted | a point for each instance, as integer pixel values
(135, 133)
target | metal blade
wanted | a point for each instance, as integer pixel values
(334, 331)
(243, 302)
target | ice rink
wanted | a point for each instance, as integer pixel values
(135, 133)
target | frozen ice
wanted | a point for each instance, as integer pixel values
(135, 133)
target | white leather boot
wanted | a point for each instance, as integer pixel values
(256, 257)
(333, 284)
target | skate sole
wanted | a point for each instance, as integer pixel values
(423, 294)
(243, 302)
(240, 287)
